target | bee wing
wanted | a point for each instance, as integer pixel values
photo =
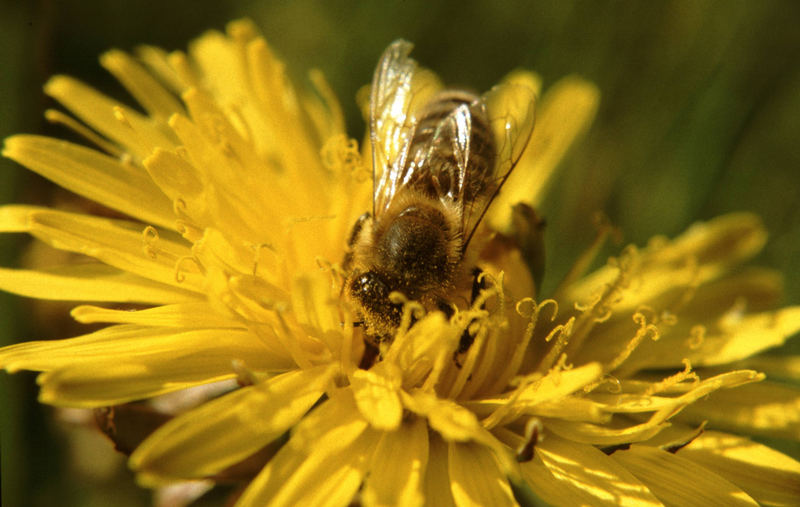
(452, 139)
(511, 111)
(399, 89)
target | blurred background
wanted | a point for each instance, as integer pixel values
(700, 115)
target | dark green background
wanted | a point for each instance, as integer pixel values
(699, 116)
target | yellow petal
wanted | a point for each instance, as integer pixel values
(398, 467)
(376, 394)
(212, 52)
(94, 175)
(572, 408)
(754, 289)
(182, 315)
(279, 105)
(774, 365)
(146, 362)
(220, 62)
(127, 128)
(550, 489)
(329, 480)
(313, 304)
(455, 423)
(430, 339)
(156, 100)
(322, 464)
(126, 245)
(663, 409)
(766, 408)
(678, 481)
(743, 336)
(178, 179)
(510, 106)
(727, 239)
(158, 63)
(324, 108)
(692, 391)
(553, 386)
(221, 134)
(560, 383)
(437, 475)
(563, 115)
(451, 420)
(16, 217)
(233, 72)
(732, 337)
(768, 476)
(476, 478)
(726, 299)
(90, 282)
(700, 254)
(224, 431)
(239, 214)
(526, 78)
(675, 436)
(568, 473)
(605, 435)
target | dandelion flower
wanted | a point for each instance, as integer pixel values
(630, 384)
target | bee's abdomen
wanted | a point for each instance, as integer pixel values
(433, 146)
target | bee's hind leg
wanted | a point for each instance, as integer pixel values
(478, 284)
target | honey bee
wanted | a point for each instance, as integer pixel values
(438, 158)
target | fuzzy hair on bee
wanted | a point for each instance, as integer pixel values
(439, 157)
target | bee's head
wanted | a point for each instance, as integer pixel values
(370, 290)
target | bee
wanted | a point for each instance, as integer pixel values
(438, 158)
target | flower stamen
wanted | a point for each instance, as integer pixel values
(697, 336)
(644, 330)
(561, 334)
(522, 346)
(180, 267)
(681, 376)
(150, 237)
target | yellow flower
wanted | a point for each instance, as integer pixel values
(240, 196)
